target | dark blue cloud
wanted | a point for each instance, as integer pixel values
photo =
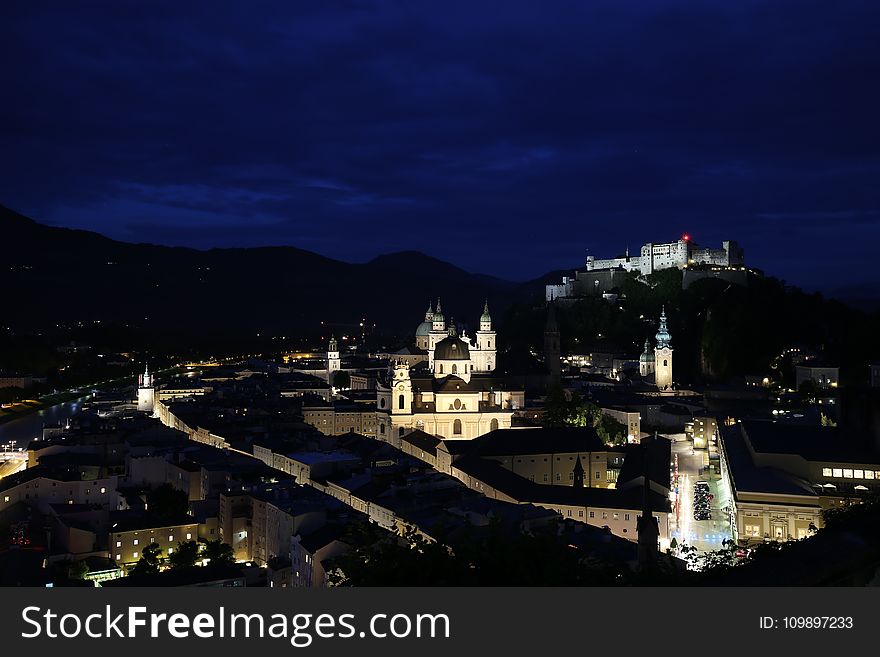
(509, 138)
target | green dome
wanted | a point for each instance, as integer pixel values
(424, 329)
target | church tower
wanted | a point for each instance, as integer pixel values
(552, 354)
(146, 392)
(487, 345)
(334, 363)
(438, 332)
(401, 389)
(663, 355)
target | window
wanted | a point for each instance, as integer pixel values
(837, 472)
(135, 542)
(454, 368)
(580, 513)
(545, 476)
(118, 557)
(598, 475)
(382, 403)
(103, 490)
(401, 403)
(615, 516)
(189, 537)
(171, 538)
(558, 478)
(134, 555)
(592, 514)
(170, 550)
(847, 473)
(665, 362)
(441, 368)
(752, 530)
(493, 425)
(869, 474)
(858, 474)
(118, 543)
(456, 427)
(826, 472)
(6, 498)
(626, 516)
(457, 404)
(382, 428)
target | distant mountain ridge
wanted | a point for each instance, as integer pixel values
(64, 275)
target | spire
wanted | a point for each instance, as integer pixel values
(334, 346)
(578, 475)
(551, 326)
(439, 310)
(663, 338)
(453, 332)
(647, 526)
(485, 318)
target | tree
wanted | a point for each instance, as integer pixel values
(341, 379)
(149, 562)
(167, 502)
(809, 390)
(185, 555)
(219, 553)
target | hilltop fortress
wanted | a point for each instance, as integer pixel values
(601, 275)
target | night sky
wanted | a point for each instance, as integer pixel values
(508, 138)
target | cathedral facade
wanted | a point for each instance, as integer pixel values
(457, 395)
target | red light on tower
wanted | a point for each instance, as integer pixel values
(686, 237)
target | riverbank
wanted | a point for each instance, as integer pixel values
(18, 410)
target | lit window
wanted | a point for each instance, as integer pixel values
(134, 555)
(826, 472)
(837, 472)
(118, 543)
(103, 490)
(170, 538)
(615, 516)
(118, 557)
(604, 515)
(858, 474)
(6, 498)
(189, 537)
(170, 550)
(136, 541)
(847, 474)
(869, 474)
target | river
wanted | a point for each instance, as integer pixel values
(24, 429)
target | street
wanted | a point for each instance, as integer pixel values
(705, 535)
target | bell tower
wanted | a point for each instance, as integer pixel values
(334, 363)
(487, 345)
(146, 391)
(663, 355)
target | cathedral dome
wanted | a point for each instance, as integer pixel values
(452, 348)
(424, 329)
